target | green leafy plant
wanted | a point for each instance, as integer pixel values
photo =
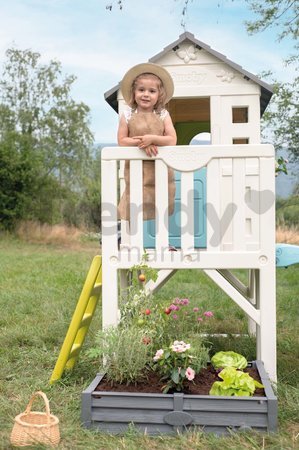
(228, 359)
(125, 354)
(135, 299)
(132, 304)
(179, 364)
(143, 272)
(235, 383)
(281, 165)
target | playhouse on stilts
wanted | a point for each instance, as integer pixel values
(224, 216)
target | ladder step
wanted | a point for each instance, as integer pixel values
(75, 350)
(86, 320)
(97, 289)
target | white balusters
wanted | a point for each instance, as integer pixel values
(161, 199)
(187, 211)
(136, 204)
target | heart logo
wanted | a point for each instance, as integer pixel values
(260, 201)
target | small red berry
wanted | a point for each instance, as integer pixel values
(147, 312)
(141, 277)
(167, 310)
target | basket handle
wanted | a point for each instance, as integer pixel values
(45, 398)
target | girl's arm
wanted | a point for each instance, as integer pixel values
(169, 132)
(123, 138)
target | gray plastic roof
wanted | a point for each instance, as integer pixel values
(266, 89)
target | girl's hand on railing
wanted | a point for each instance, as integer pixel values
(151, 150)
(145, 141)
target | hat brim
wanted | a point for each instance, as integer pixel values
(157, 70)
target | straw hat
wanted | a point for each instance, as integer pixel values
(155, 69)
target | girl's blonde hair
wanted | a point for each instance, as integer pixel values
(162, 93)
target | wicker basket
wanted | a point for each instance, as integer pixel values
(33, 427)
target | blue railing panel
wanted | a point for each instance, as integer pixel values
(200, 229)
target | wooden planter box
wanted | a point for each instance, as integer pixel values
(113, 412)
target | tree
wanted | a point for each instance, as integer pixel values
(282, 118)
(47, 135)
(42, 108)
(282, 13)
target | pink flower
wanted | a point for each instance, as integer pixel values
(179, 347)
(174, 316)
(196, 309)
(190, 374)
(173, 307)
(199, 319)
(208, 314)
(158, 355)
(185, 301)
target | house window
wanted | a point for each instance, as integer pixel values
(240, 140)
(240, 114)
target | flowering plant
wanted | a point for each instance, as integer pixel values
(181, 306)
(177, 364)
(182, 317)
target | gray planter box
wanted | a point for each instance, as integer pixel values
(155, 414)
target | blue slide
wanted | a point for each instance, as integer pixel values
(286, 255)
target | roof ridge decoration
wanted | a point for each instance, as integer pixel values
(188, 54)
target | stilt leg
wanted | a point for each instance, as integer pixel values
(266, 331)
(109, 296)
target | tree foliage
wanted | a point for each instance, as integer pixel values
(282, 117)
(41, 107)
(45, 140)
(281, 13)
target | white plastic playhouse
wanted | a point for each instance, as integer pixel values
(225, 204)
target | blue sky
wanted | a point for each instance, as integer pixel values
(98, 46)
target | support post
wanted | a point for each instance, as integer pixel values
(109, 244)
(266, 330)
(252, 299)
(109, 296)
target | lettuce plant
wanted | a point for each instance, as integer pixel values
(228, 359)
(235, 383)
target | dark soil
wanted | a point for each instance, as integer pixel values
(201, 384)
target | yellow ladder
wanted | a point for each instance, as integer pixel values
(80, 321)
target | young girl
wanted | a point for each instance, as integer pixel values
(146, 124)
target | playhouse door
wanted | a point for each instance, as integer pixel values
(184, 132)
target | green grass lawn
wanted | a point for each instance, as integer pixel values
(39, 288)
